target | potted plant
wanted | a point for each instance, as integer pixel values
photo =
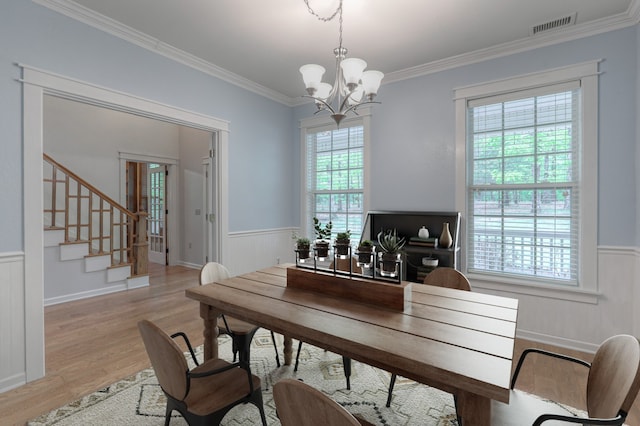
(303, 245)
(323, 235)
(390, 250)
(342, 242)
(365, 249)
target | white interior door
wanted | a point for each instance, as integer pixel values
(157, 220)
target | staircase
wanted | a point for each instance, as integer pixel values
(92, 245)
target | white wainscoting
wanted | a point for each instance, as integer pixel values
(580, 324)
(252, 250)
(12, 321)
(559, 321)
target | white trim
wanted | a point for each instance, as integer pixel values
(37, 83)
(69, 88)
(312, 124)
(557, 341)
(325, 120)
(629, 18)
(528, 81)
(33, 192)
(115, 28)
(587, 73)
(507, 285)
(85, 294)
(11, 256)
(255, 232)
(89, 17)
(147, 158)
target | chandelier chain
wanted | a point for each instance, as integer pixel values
(325, 19)
(330, 18)
(349, 95)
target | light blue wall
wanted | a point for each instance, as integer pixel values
(413, 130)
(259, 180)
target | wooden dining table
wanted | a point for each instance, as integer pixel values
(458, 341)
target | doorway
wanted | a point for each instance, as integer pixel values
(146, 191)
(36, 84)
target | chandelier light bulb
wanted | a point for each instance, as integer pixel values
(312, 76)
(352, 69)
(353, 86)
(324, 90)
(371, 82)
(356, 96)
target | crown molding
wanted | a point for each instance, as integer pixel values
(87, 16)
(622, 20)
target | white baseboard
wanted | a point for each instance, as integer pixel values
(85, 294)
(12, 382)
(189, 265)
(557, 341)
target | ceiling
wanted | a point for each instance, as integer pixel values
(261, 44)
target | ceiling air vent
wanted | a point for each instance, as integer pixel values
(555, 24)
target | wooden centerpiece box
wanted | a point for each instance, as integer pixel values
(396, 296)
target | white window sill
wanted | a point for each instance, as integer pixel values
(557, 292)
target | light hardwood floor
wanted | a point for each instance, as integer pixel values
(94, 342)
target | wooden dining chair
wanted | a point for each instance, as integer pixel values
(299, 404)
(441, 277)
(612, 386)
(241, 332)
(449, 278)
(341, 265)
(202, 395)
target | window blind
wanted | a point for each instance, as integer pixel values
(523, 184)
(335, 177)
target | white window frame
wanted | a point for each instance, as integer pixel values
(320, 123)
(587, 74)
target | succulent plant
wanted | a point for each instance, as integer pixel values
(365, 243)
(303, 243)
(343, 237)
(389, 241)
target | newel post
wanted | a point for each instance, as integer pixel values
(141, 246)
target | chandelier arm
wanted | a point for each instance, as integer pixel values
(353, 107)
(328, 106)
(340, 92)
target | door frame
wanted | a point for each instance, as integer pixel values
(171, 188)
(37, 83)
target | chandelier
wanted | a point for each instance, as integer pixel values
(353, 85)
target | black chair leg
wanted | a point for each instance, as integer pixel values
(273, 339)
(243, 346)
(346, 366)
(455, 404)
(298, 356)
(392, 383)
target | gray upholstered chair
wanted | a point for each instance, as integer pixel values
(204, 394)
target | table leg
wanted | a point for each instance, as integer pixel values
(475, 410)
(210, 318)
(288, 344)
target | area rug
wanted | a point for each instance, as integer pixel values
(138, 400)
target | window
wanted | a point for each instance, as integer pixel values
(529, 194)
(335, 190)
(523, 185)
